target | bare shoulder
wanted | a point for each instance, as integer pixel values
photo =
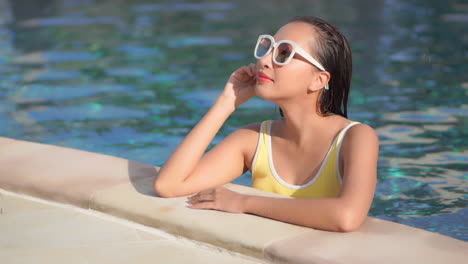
(360, 137)
(252, 127)
(250, 130)
(247, 135)
(246, 138)
(361, 131)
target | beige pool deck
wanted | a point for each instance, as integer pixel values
(102, 209)
(34, 231)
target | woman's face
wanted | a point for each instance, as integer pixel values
(293, 79)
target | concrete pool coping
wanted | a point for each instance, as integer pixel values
(123, 188)
(34, 230)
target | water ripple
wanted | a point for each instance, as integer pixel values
(420, 117)
(54, 56)
(49, 74)
(85, 112)
(63, 92)
(70, 21)
(184, 7)
(198, 41)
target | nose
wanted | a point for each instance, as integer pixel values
(266, 61)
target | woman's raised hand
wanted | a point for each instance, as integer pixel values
(241, 85)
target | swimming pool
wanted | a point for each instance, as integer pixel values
(130, 78)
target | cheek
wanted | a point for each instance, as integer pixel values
(291, 80)
(295, 79)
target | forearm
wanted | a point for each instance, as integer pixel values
(181, 163)
(332, 214)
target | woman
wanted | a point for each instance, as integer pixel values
(314, 153)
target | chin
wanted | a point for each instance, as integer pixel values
(265, 93)
(260, 91)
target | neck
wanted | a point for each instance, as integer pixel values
(302, 122)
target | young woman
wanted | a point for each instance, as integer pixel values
(327, 162)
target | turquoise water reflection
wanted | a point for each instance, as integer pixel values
(130, 78)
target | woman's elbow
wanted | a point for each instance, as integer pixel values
(163, 190)
(349, 222)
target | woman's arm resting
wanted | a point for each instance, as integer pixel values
(185, 158)
(222, 164)
(344, 213)
(332, 214)
(186, 165)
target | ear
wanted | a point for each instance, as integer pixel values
(319, 81)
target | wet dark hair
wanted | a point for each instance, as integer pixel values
(333, 52)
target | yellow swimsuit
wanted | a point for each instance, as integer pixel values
(326, 183)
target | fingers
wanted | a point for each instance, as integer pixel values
(203, 205)
(203, 200)
(252, 69)
(206, 191)
(220, 199)
(208, 195)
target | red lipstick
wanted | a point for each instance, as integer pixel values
(262, 77)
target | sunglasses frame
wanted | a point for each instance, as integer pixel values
(295, 49)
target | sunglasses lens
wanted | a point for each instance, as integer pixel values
(283, 52)
(263, 46)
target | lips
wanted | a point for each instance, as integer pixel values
(262, 77)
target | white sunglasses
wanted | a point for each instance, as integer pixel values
(283, 51)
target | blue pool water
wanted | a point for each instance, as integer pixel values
(130, 78)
